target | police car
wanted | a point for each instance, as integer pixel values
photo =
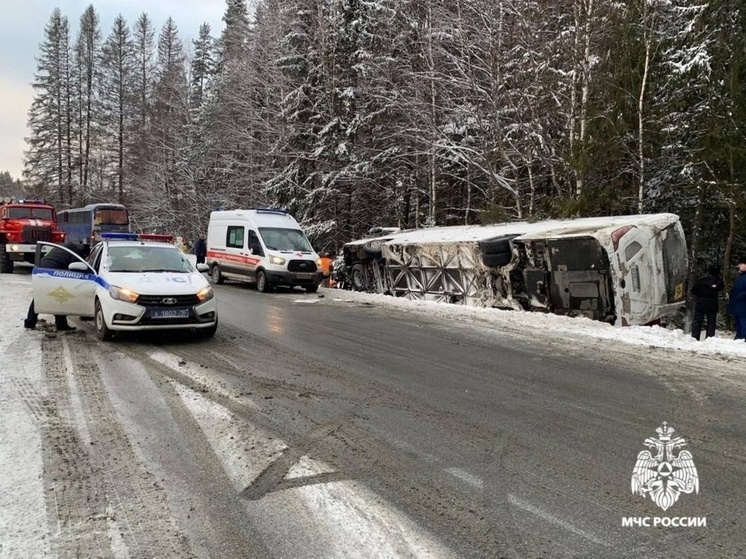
(130, 283)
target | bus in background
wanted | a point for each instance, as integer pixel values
(85, 225)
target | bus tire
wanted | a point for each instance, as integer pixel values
(215, 275)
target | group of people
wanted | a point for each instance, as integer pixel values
(706, 291)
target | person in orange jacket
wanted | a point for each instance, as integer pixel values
(326, 268)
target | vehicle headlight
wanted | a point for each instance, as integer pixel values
(318, 262)
(122, 294)
(277, 261)
(206, 294)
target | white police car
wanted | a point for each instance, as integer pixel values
(129, 284)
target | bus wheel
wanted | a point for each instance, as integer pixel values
(215, 275)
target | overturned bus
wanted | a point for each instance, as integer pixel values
(626, 270)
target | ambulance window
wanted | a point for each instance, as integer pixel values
(235, 237)
(632, 249)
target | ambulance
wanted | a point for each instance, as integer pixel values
(262, 246)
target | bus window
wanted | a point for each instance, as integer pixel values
(111, 216)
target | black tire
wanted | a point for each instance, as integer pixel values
(102, 330)
(208, 332)
(357, 278)
(216, 275)
(496, 246)
(262, 283)
(501, 259)
(312, 288)
(6, 264)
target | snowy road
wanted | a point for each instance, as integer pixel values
(352, 426)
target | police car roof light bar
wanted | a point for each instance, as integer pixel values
(119, 236)
(155, 237)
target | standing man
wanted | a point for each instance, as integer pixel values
(706, 290)
(326, 268)
(200, 250)
(737, 300)
(56, 259)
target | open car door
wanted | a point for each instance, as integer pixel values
(69, 292)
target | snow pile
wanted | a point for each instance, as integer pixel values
(538, 325)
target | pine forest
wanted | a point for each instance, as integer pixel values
(410, 113)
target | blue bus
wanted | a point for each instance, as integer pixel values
(85, 225)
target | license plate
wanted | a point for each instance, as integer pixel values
(304, 276)
(169, 313)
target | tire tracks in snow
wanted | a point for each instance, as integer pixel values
(100, 500)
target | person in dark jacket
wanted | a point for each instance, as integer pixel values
(706, 290)
(55, 259)
(737, 300)
(200, 250)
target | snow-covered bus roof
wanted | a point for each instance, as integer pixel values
(586, 226)
(522, 230)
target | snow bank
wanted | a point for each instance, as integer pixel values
(536, 324)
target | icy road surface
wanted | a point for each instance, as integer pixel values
(355, 426)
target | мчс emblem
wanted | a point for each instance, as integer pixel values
(665, 475)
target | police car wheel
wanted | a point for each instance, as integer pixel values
(210, 331)
(102, 331)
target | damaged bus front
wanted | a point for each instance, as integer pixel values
(622, 270)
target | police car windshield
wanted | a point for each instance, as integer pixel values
(144, 258)
(285, 240)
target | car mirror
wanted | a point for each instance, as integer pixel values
(79, 267)
(202, 267)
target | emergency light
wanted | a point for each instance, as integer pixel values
(155, 237)
(119, 236)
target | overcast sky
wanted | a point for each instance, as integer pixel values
(22, 29)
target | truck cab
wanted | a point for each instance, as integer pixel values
(22, 224)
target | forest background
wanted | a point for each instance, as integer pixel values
(410, 113)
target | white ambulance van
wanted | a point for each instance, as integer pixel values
(264, 246)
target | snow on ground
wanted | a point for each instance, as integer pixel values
(538, 323)
(23, 523)
(22, 509)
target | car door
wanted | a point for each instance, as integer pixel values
(255, 254)
(68, 292)
(235, 248)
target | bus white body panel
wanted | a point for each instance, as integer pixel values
(624, 270)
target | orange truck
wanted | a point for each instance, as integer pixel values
(22, 224)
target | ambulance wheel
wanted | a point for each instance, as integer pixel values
(6, 264)
(102, 331)
(215, 275)
(262, 283)
(312, 288)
